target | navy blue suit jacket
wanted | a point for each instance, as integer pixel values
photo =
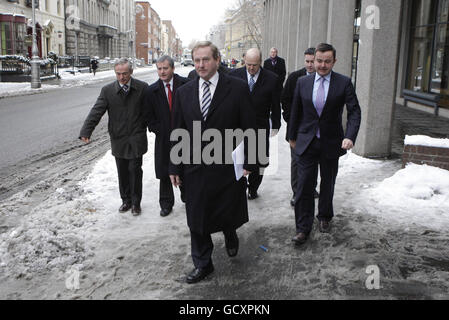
(304, 120)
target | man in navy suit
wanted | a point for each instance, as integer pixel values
(161, 100)
(316, 134)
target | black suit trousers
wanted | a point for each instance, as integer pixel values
(307, 173)
(166, 194)
(130, 179)
(202, 247)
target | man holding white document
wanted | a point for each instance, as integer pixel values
(215, 199)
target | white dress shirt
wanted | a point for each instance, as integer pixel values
(316, 85)
(256, 76)
(166, 89)
(212, 87)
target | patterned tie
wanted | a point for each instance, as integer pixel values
(320, 101)
(205, 102)
(125, 88)
(251, 84)
(170, 96)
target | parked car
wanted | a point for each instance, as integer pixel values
(187, 62)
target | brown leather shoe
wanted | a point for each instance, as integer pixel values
(300, 238)
(325, 226)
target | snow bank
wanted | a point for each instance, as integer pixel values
(426, 141)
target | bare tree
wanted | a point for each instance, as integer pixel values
(252, 13)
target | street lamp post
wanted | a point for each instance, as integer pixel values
(35, 61)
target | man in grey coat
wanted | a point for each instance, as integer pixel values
(124, 100)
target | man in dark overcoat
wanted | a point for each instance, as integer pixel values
(124, 100)
(265, 99)
(215, 199)
(277, 65)
(161, 100)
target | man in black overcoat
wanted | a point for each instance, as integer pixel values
(263, 87)
(161, 100)
(215, 200)
(277, 65)
(124, 100)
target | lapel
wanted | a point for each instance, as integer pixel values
(259, 82)
(118, 91)
(196, 100)
(220, 94)
(164, 107)
(330, 94)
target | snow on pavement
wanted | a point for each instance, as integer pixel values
(54, 227)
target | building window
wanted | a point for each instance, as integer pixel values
(428, 68)
(12, 35)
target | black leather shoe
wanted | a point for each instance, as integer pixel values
(252, 195)
(292, 202)
(198, 274)
(232, 243)
(300, 238)
(316, 195)
(325, 226)
(165, 212)
(136, 210)
(124, 207)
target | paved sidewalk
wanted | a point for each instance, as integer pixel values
(408, 121)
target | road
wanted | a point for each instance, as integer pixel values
(35, 129)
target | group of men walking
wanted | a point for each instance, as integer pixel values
(246, 99)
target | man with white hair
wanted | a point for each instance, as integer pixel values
(124, 100)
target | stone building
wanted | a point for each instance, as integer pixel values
(16, 27)
(104, 28)
(169, 43)
(242, 30)
(391, 49)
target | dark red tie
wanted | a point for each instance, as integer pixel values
(170, 97)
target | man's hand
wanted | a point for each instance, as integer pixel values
(85, 140)
(347, 144)
(175, 180)
(292, 144)
(246, 173)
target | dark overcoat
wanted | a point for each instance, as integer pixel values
(128, 116)
(265, 101)
(305, 121)
(215, 200)
(288, 93)
(279, 68)
(160, 122)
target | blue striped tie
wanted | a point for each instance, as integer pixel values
(205, 102)
(251, 84)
